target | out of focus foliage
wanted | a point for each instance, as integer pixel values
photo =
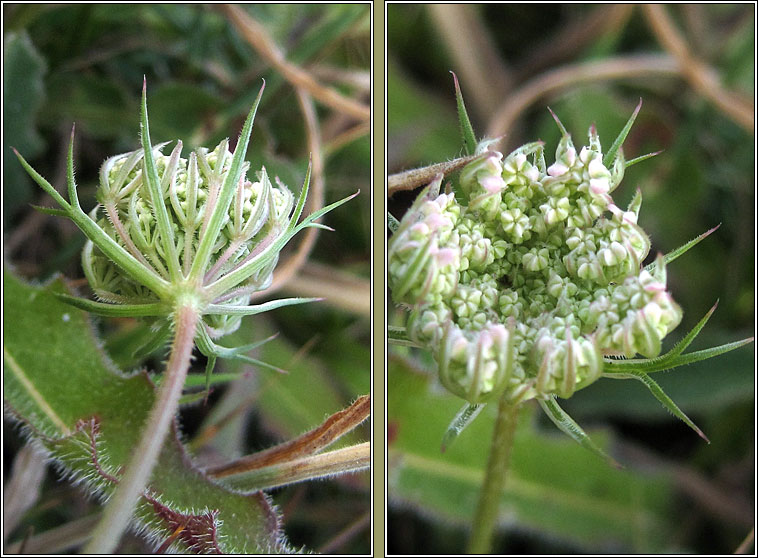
(704, 177)
(84, 64)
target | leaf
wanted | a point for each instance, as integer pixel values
(674, 254)
(665, 400)
(674, 358)
(88, 416)
(464, 417)
(566, 424)
(612, 365)
(398, 335)
(467, 131)
(611, 153)
(553, 486)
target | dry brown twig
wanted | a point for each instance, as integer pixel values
(341, 290)
(309, 443)
(621, 67)
(257, 36)
(703, 78)
(414, 178)
(571, 38)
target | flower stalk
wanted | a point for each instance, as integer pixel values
(491, 493)
(119, 509)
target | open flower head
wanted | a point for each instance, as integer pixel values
(531, 276)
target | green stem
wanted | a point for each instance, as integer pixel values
(485, 517)
(121, 504)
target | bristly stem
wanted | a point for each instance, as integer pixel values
(485, 517)
(122, 502)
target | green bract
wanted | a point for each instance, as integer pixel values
(531, 276)
(170, 231)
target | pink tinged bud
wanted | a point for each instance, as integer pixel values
(499, 333)
(419, 230)
(655, 287)
(570, 155)
(437, 220)
(652, 313)
(557, 169)
(649, 344)
(618, 250)
(533, 174)
(446, 256)
(599, 185)
(607, 257)
(629, 217)
(613, 208)
(493, 184)
(596, 169)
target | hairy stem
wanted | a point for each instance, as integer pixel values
(489, 499)
(121, 504)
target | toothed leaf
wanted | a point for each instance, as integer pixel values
(84, 412)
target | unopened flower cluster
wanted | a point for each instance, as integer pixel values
(527, 280)
(189, 188)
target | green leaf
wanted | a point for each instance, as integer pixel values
(612, 365)
(641, 158)
(465, 416)
(568, 426)
(225, 194)
(674, 357)
(611, 153)
(296, 401)
(51, 211)
(665, 400)
(553, 486)
(257, 308)
(158, 205)
(392, 222)
(467, 131)
(115, 310)
(397, 335)
(674, 254)
(88, 415)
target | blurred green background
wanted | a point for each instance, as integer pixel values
(518, 60)
(84, 64)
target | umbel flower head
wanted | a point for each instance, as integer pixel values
(527, 279)
(171, 230)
